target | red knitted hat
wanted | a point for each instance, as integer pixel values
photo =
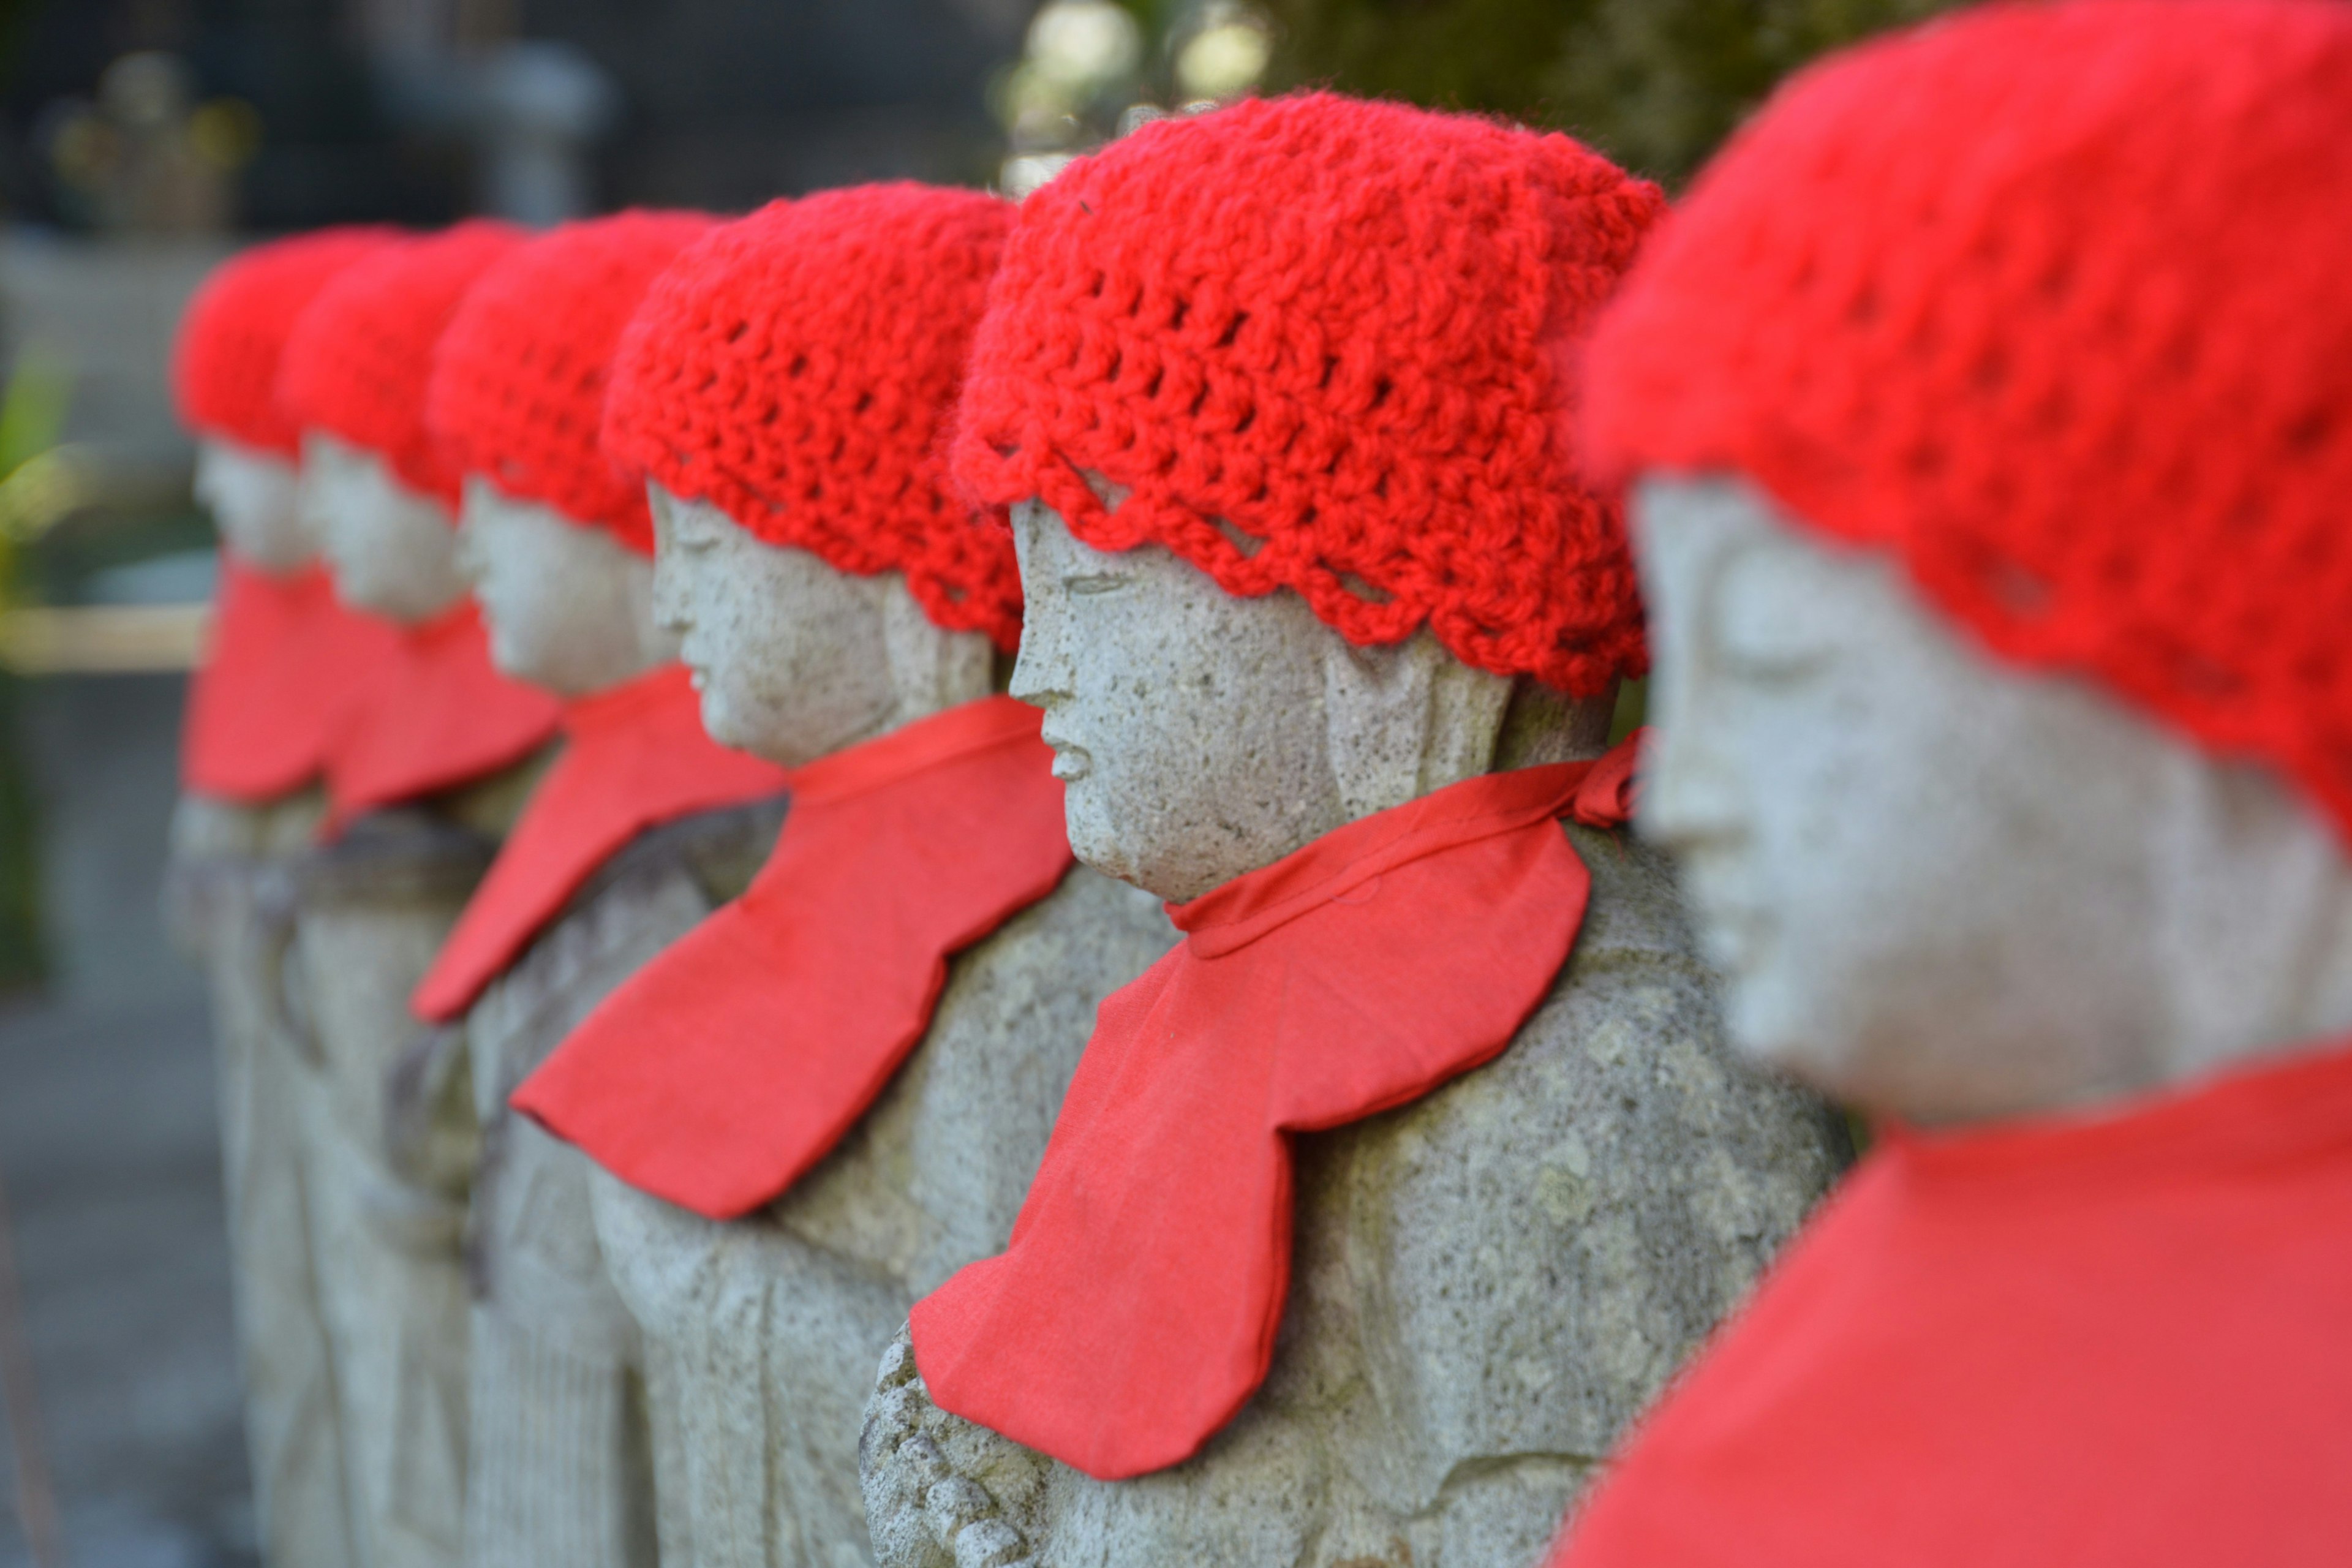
(798, 369)
(1323, 344)
(357, 360)
(518, 386)
(2050, 300)
(224, 364)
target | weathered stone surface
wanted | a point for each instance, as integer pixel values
(388, 1164)
(230, 899)
(1487, 1284)
(560, 1454)
(772, 1324)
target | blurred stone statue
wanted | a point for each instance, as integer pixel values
(428, 773)
(832, 1095)
(283, 666)
(2005, 742)
(637, 831)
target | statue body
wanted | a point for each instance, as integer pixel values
(230, 897)
(765, 1329)
(1489, 1281)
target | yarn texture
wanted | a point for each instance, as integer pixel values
(798, 369)
(1328, 345)
(225, 362)
(2049, 301)
(357, 362)
(518, 379)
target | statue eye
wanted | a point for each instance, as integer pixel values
(1097, 583)
(1769, 612)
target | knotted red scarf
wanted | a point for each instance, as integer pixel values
(721, 1071)
(283, 662)
(2122, 1342)
(434, 715)
(633, 757)
(1136, 1308)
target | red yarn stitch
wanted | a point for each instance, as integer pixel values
(224, 363)
(796, 369)
(518, 379)
(357, 360)
(1321, 344)
(2051, 302)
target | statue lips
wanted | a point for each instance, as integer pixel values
(1071, 761)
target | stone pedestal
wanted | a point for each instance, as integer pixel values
(766, 1330)
(389, 1141)
(560, 1462)
(1489, 1284)
(231, 904)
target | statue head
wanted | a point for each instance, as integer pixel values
(392, 548)
(255, 503)
(556, 544)
(2004, 699)
(826, 585)
(378, 490)
(224, 373)
(569, 606)
(1300, 542)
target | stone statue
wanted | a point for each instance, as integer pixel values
(2004, 718)
(1431, 1171)
(561, 1451)
(768, 1324)
(1487, 1283)
(230, 895)
(393, 1160)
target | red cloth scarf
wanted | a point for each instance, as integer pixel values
(721, 1071)
(633, 757)
(437, 715)
(1136, 1308)
(2113, 1342)
(284, 662)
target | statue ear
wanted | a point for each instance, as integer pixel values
(1404, 719)
(931, 669)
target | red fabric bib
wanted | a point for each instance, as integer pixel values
(437, 715)
(633, 758)
(285, 661)
(1136, 1308)
(2123, 1342)
(717, 1075)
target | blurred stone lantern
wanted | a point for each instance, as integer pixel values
(146, 157)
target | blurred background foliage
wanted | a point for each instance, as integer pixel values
(1656, 84)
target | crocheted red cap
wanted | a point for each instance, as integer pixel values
(225, 362)
(1324, 345)
(2050, 300)
(518, 379)
(798, 370)
(357, 360)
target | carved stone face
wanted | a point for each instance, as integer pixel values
(1201, 736)
(1187, 725)
(569, 606)
(256, 502)
(1939, 886)
(792, 657)
(391, 549)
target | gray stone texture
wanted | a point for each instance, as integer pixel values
(389, 1144)
(561, 1453)
(1488, 1285)
(230, 899)
(772, 1324)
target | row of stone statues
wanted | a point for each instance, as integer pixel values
(979, 911)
